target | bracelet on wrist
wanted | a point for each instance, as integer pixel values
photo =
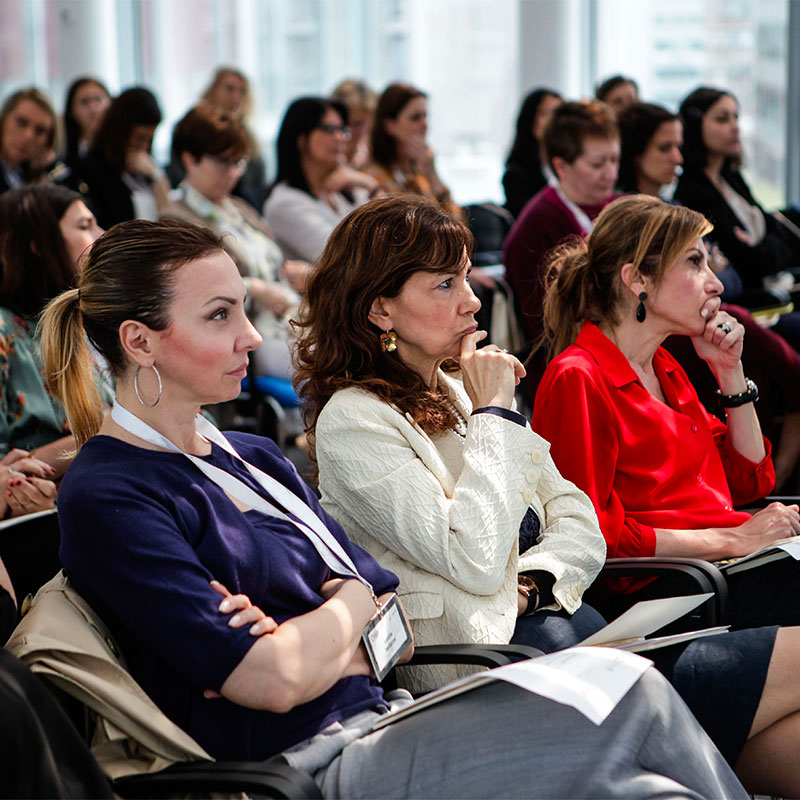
(749, 395)
(527, 587)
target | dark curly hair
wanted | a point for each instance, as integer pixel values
(371, 254)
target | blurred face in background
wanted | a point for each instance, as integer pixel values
(411, 122)
(325, 147)
(622, 96)
(590, 179)
(79, 230)
(25, 134)
(720, 128)
(229, 94)
(89, 103)
(662, 156)
(141, 138)
(214, 176)
(360, 122)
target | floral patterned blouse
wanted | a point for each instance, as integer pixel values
(29, 416)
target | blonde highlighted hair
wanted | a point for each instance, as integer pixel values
(584, 277)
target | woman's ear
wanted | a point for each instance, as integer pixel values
(633, 279)
(558, 165)
(137, 341)
(188, 160)
(379, 314)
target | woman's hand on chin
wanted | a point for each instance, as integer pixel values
(721, 343)
(490, 374)
(415, 148)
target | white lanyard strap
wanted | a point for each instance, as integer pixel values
(581, 217)
(326, 544)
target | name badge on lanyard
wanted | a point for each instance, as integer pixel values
(386, 637)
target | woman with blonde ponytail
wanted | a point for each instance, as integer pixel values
(67, 361)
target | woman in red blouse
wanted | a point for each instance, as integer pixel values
(626, 425)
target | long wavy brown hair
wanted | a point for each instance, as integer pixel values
(371, 254)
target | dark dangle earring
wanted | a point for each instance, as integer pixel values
(641, 311)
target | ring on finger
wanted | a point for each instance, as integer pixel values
(725, 326)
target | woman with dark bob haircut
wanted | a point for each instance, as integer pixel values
(314, 188)
(402, 161)
(155, 500)
(424, 461)
(119, 175)
(527, 171)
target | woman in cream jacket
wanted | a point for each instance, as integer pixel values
(439, 478)
(444, 514)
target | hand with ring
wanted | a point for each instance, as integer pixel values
(721, 343)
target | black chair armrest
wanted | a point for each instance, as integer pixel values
(273, 778)
(482, 655)
(704, 576)
(763, 502)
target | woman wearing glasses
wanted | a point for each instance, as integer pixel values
(212, 148)
(314, 188)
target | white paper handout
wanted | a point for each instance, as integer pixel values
(644, 618)
(591, 680)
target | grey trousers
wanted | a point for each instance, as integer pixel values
(500, 741)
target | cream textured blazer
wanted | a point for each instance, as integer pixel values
(453, 539)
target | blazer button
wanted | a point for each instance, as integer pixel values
(537, 456)
(527, 496)
(531, 475)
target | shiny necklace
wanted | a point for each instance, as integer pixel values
(460, 428)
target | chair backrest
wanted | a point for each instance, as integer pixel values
(65, 642)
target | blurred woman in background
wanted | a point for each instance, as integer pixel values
(87, 101)
(230, 92)
(618, 91)
(527, 171)
(44, 231)
(212, 148)
(402, 160)
(28, 132)
(119, 175)
(756, 243)
(360, 101)
(314, 188)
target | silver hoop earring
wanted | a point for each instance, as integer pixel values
(138, 393)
